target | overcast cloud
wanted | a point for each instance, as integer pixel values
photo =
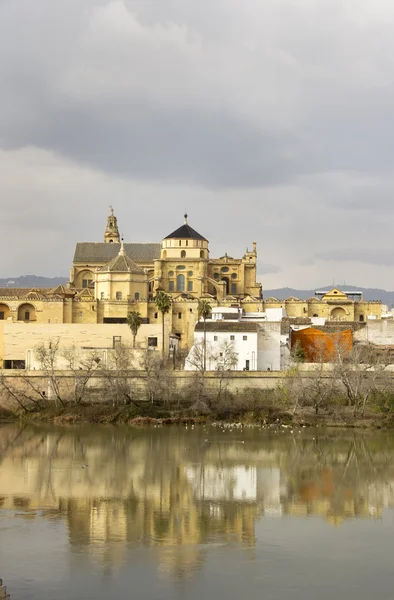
(267, 120)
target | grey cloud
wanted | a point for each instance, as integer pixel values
(373, 256)
(146, 142)
(265, 268)
(148, 92)
(270, 121)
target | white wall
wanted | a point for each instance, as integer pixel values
(261, 348)
(377, 332)
(245, 349)
(269, 352)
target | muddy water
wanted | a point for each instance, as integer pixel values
(104, 512)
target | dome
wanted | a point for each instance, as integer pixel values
(185, 232)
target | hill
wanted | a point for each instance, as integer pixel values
(36, 281)
(32, 281)
(368, 293)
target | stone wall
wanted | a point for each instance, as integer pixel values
(17, 338)
(379, 332)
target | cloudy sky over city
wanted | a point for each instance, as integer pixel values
(266, 120)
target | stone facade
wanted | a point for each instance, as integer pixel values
(111, 278)
(333, 306)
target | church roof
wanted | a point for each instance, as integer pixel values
(225, 326)
(102, 252)
(185, 232)
(122, 264)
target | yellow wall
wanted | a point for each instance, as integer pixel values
(18, 338)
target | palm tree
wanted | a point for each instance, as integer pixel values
(134, 320)
(204, 311)
(163, 302)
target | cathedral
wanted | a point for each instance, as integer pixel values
(108, 279)
(127, 276)
(111, 278)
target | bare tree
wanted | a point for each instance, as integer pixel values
(159, 381)
(315, 387)
(118, 388)
(83, 369)
(226, 360)
(362, 371)
(48, 357)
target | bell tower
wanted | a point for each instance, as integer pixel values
(111, 234)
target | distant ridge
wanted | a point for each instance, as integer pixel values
(368, 293)
(32, 281)
(36, 281)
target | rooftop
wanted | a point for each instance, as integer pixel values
(122, 264)
(227, 326)
(102, 252)
(185, 232)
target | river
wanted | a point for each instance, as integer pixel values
(97, 512)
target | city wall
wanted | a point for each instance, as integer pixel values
(236, 382)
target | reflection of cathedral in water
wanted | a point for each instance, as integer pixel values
(172, 491)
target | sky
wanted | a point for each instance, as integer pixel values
(266, 120)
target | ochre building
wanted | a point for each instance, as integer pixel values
(108, 279)
(333, 305)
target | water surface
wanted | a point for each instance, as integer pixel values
(207, 512)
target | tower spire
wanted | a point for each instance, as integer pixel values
(111, 234)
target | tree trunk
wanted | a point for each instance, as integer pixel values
(162, 341)
(134, 336)
(205, 347)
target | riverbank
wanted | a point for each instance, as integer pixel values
(153, 415)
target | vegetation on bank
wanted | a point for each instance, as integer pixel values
(253, 407)
(355, 389)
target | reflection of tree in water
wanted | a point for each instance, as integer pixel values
(333, 479)
(172, 489)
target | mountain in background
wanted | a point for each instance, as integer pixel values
(368, 293)
(32, 281)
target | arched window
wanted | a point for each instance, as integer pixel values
(361, 319)
(183, 254)
(26, 312)
(164, 253)
(4, 312)
(137, 296)
(180, 283)
(119, 295)
(227, 282)
(202, 254)
(85, 279)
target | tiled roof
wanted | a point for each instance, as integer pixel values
(101, 252)
(23, 292)
(226, 326)
(122, 264)
(185, 232)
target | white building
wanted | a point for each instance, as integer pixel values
(236, 345)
